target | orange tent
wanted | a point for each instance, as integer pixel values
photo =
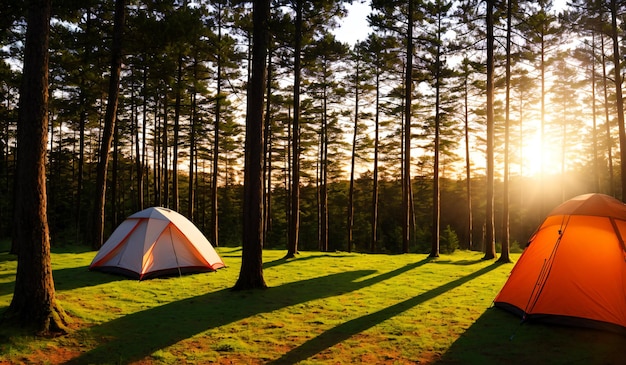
(573, 270)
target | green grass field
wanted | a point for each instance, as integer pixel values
(321, 308)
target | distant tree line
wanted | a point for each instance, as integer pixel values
(353, 158)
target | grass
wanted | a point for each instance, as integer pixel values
(321, 308)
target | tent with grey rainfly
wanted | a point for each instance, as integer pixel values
(156, 242)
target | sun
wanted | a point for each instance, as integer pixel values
(537, 156)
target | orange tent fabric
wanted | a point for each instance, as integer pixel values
(156, 242)
(573, 271)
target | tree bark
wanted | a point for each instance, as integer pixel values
(177, 107)
(618, 95)
(468, 169)
(294, 222)
(374, 233)
(607, 119)
(34, 304)
(436, 228)
(216, 139)
(408, 93)
(109, 124)
(504, 255)
(251, 274)
(490, 245)
(353, 157)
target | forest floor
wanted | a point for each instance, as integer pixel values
(321, 308)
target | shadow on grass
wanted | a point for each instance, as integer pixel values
(5, 256)
(68, 279)
(282, 260)
(348, 329)
(80, 277)
(460, 262)
(497, 337)
(137, 335)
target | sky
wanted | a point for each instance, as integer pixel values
(355, 26)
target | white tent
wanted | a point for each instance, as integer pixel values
(155, 242)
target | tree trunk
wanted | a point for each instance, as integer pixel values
(141, 162)
(490, 244)
(294, 222)
(408, 93)
(353, 159)
(177, 106)
(109, 125)
(618, 95)
(34, 304)
(114, 181)
(504, 256)
(192, 150)
(81, 132)
(374, 237)
(436, 228)
(251, 274)
(216, 143)
(596, 163)
(468, 171)
(607, 119)
(324, 176)
(267, 150)
(165, 176)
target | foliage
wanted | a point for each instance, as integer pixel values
(449, 241)
(183, 94)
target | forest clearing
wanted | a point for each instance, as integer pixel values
(450, 125)
(319, 308)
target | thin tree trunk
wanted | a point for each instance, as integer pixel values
(138, 166)
(114, 177)
(294, 224)
(192, 152)
(374, 237)
(353, 158)
(81, 131)
(216, 143)
(142, 162)
(408, 94)
(596, 164)
(165, 182)
(618, 95)
(607, 120)
(324, 172)
(468, 173)
(504, 255)
(436, 228)
(177, 106)
(542, 70)
(490, 245)
(109, 124)
(267, 151)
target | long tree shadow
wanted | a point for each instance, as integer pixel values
(7, 288)
(68, 279)
(498, 337)
(282, 260)
(348, 329)
(81, 277)
(5, 256)
(137, 335)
